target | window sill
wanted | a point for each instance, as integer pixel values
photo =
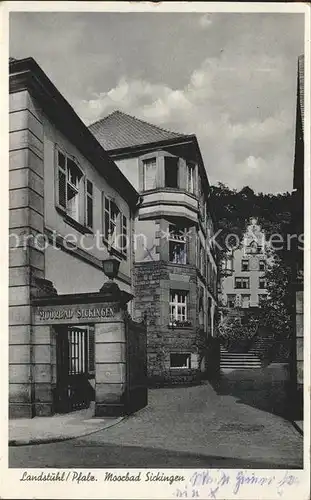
(180, 327)
(169, 190)
(73, 223)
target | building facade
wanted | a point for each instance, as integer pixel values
(298, 229)
(175, 274)
(243, 283)
(69, 203)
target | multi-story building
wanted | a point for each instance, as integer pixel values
(243, 284)
(67, 198)
(175, 275)
(298, 229)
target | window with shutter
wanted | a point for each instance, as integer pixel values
(62, 196)
(112, 222)
(69, 187)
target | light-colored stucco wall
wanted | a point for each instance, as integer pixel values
(253, 248)
(129, 168)
(254, 274)
(71, 275)
(54, 221)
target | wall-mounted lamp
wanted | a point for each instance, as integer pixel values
(111, 268)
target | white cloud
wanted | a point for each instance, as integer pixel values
(205, 21)
(241, 143)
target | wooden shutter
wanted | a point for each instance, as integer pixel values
(61, 180)
(89, 204)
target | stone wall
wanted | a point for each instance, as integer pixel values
(26, 261)
(152, 284)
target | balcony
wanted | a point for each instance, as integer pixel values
(169, 202)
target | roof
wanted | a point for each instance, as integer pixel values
(120, 130)
(26, 74)
(301, 85)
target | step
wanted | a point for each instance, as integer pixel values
(240, 367)
(238, 356)
(244, 362)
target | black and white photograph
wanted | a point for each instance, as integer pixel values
(158, 250)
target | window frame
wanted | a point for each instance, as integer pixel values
(178, 305)
(243, 261)
(231, 296)
(260, 279)
(178, 240)
(188, 362)
(262, 261)
(145, 162)
(118, 224)
(80, 223)
(248, 295)
(89, 196)
(242, 279)
(190, 178)
(167, 168)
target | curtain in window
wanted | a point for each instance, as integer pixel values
(150, 172)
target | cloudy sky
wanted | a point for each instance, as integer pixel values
(228, 78)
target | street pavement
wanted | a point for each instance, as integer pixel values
(180, 427)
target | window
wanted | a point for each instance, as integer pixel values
(70, 188)
(112, 214)
(171, 171)
(115, 226)
(178, 306)
(246, 300)
(245, 265)
(150, 174)
(262, 265)
(227, 265)
(261, 299)
(89, 204)
(190, 178)
(180, 360)
(81, 345)
(177, 245)
(262, 283)
(231, 300)
(241, 283)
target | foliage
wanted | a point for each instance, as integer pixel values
(236, 335)
(276, 312)
(232, 210)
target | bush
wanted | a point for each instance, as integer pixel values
(237, 335)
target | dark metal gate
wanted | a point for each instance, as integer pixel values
(75, 366)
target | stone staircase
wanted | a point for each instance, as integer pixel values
(261, 345)
(238, 361)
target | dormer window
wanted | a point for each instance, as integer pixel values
(171, 171)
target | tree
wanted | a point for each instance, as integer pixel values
(276, 311)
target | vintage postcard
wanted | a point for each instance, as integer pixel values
(156, 198)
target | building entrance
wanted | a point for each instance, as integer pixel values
(75, 367)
